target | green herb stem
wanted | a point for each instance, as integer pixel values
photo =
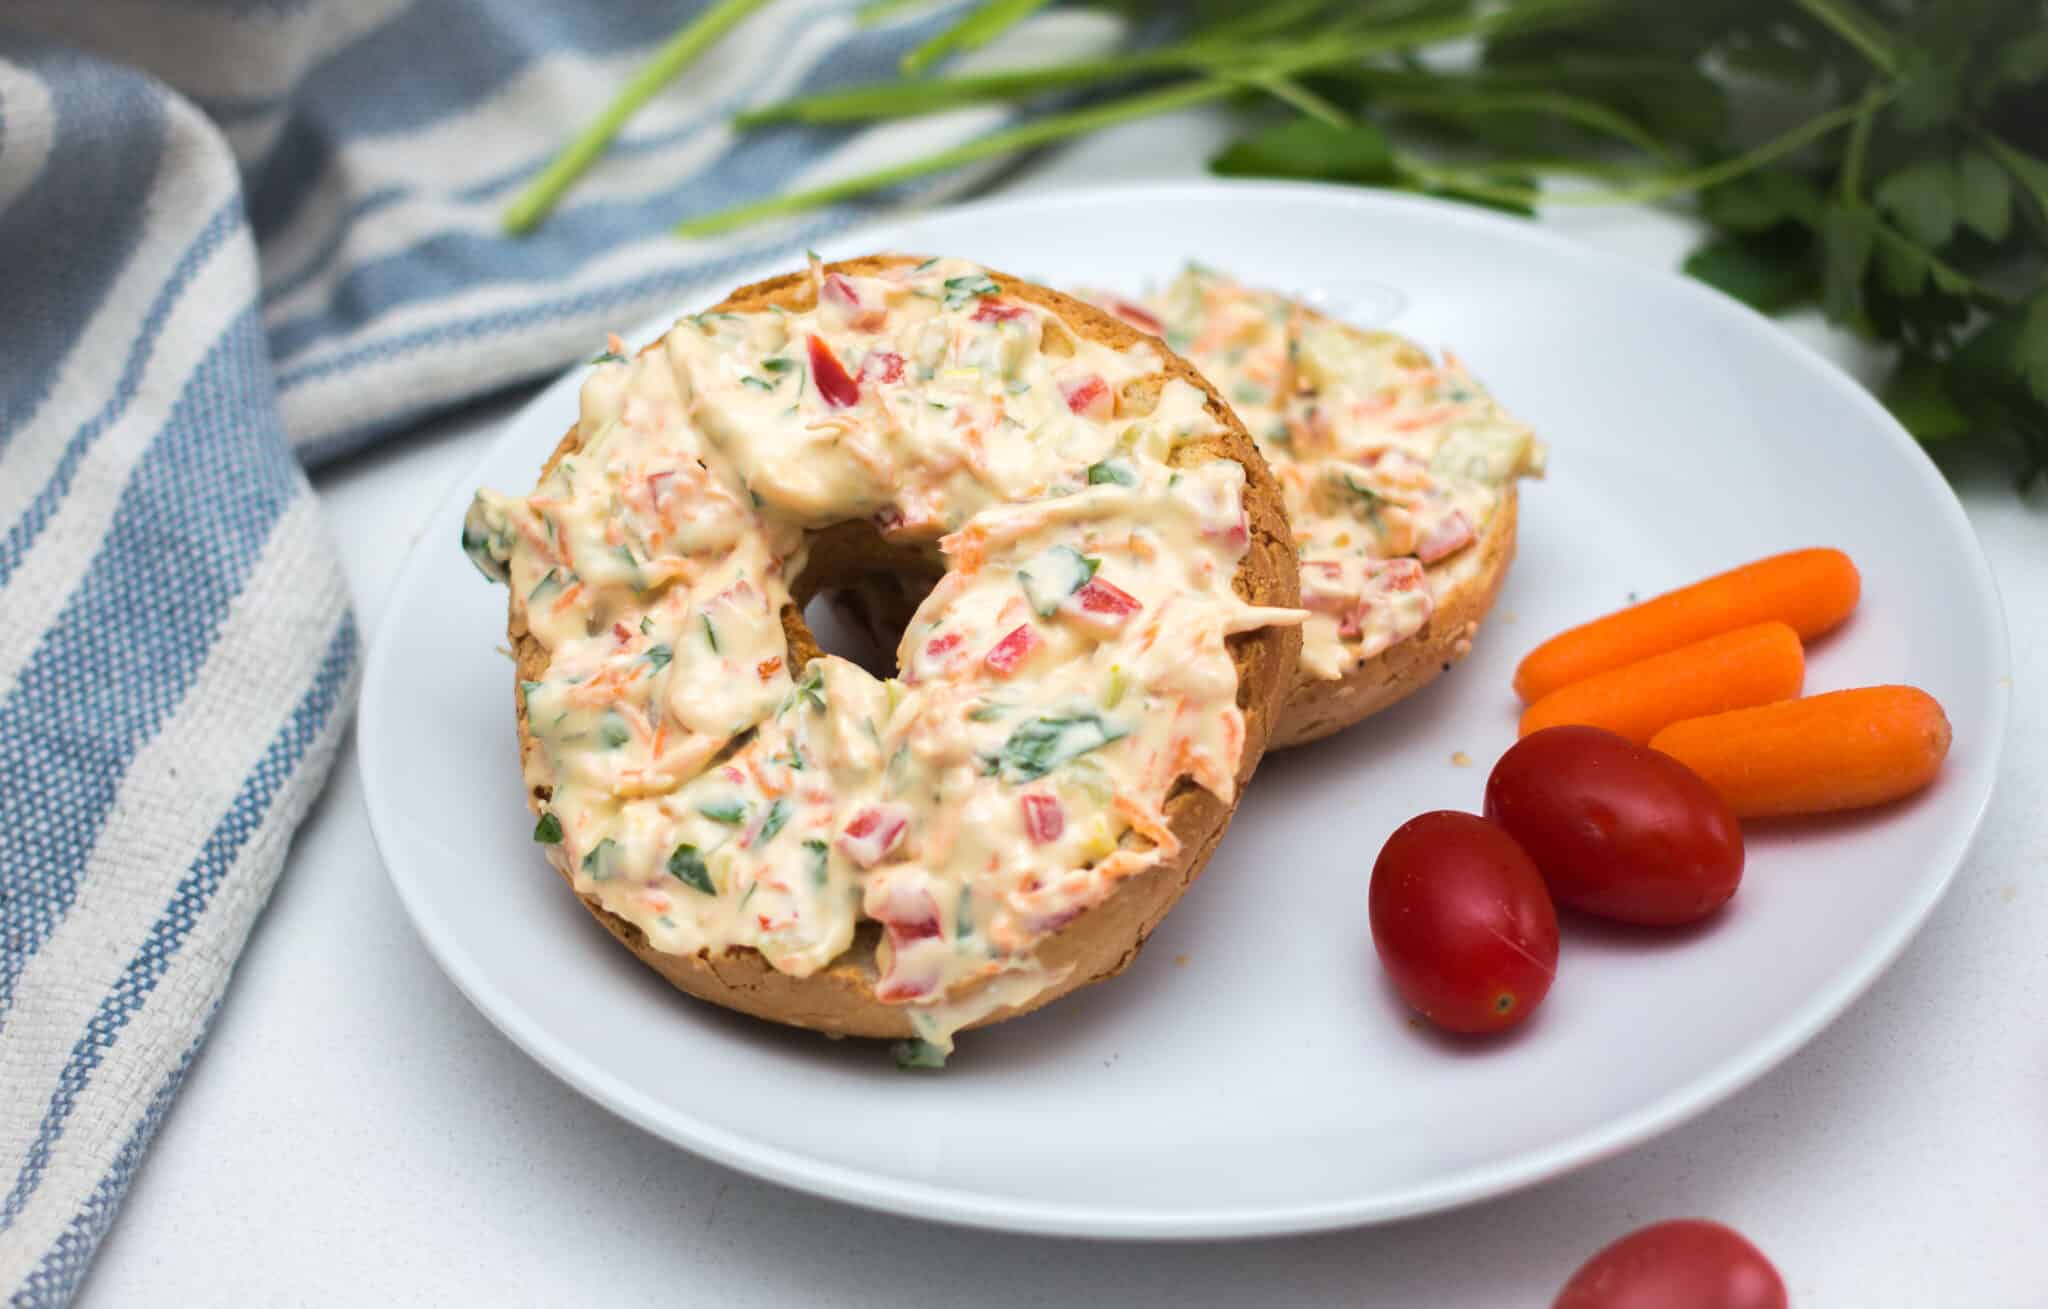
(981, 25)
(1661, 187)
(1207, 54)
(1023, 137)
(544, 192)
(1845, 20)
(1290, 92)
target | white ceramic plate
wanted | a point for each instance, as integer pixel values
(1253, 1072)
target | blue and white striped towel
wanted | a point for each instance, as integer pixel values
(232, 231)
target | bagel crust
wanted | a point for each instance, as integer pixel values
(1399, 474)
(869, 984)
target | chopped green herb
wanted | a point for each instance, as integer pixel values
(926, 264)
(777, 364)
(612, 730)
(1041, 744)
(526, 690)
(812, 688)
(710, 632)
(758, 383)
(969, 286)
(731, 812)
(659, 655)
(963, 914)
(1061, 571)
(819, 858)
(598, 863)
(646, 624)
(983, 713)
(548, 831)
(545, 587)
(687, 867)
(778, 816)
(918, 1053)
(625, 556)
(608, 357)
(1115, 472)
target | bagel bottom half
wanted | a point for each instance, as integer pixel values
(1103, 940)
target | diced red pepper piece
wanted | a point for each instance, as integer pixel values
(1446, 538)
(940, 646)
(1142, 319)
(619, 630)
(769, 667)
(992, 310)
(873, 832)
(882, 366)
(1088, 396)
(894, 990)
(839, 289)
(1010, 651)
(1044, 820)
(1098, 596)
(834, 383)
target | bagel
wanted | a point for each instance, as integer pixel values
(1399, 474)
(1092, 677)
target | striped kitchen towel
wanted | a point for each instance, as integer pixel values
(236, 235)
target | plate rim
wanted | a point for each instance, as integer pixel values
(965, 1207)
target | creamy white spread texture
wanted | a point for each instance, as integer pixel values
(1391, 462)
(1066, 670)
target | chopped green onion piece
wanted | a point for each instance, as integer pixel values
(687, 867)
(548, 831)
(918, 1053)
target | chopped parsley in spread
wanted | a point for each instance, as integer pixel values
(1064, 673)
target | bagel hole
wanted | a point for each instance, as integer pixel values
(858, 593)
(863, 623)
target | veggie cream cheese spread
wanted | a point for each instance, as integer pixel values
(1390, 462)
(1066, 670)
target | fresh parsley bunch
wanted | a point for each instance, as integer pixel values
(1886, 159)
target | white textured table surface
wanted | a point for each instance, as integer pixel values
(355, 1133)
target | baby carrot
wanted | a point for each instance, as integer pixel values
(1812, 591)
(1843, 750)
(1748, 666)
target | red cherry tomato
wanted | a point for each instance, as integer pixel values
(1687, 1263)
(1618, 829)
(1462, 922)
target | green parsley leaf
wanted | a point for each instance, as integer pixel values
(778, 816)
(1763, 273)
(1310, 148)
(918, 1053)
(548, 831)
(1922, 199)
(686, 865)
(1041, 744)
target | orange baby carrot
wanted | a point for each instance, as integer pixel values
(1812, 591)
(1748, 666)
(1843, 750)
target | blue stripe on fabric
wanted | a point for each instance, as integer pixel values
(455, 262)
(15, 544)
(526, 315)
(53, 1281)
(188, 904)
(135, 631)
(632, 291)
(477, 46)
(70, 233)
